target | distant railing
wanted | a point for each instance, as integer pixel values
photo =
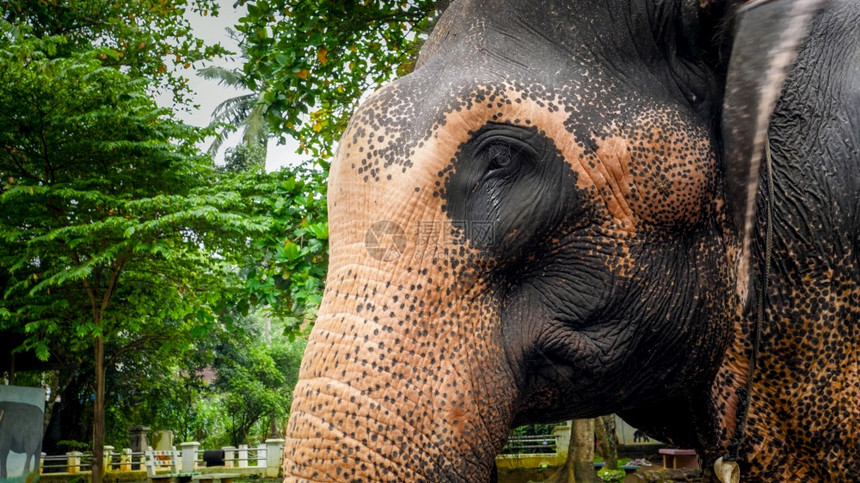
(73, 462)
(263, 460)
(531, 444)
(239, 457)
(535, 451)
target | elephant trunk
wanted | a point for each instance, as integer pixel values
(388, 394)
(343, 431)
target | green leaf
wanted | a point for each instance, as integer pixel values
(291, 250)
(319, 230)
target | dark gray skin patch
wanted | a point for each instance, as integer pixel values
(804, 407)
(510, 184)
(573, 323)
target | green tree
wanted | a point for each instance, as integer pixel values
(149, 38)
(234, 387)
(256, 372)
(244, 158)
(110, 230)
(286, 266)
(310, 62)
(159, 387)
(314, 59)
(241, 112)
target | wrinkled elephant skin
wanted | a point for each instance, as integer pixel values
(533, 226)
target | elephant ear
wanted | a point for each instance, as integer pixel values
(765, 43)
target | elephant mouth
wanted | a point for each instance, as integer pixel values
(564, 384)
(548, 393)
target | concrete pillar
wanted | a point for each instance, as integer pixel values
(189, 456)
(229, 456)
(125, 460)
(562, 440)
(161, 440)
(261, 455)
(107, 459)
(137, 438)
(243, 456)
(274, 453)
(137, 441)
(73, 461)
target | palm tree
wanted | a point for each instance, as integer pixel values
(240, 112)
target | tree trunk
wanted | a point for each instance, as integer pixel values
(611, 441)
(61, 383)
(99, 412)
(604, 429)
(582, 450)
(579, 467)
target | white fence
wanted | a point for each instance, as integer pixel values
(263, 460)
(545, 443)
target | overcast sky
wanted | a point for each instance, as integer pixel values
(208, 94)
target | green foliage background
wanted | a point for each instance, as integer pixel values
(123, 245)
(146, 38)
(312, 61)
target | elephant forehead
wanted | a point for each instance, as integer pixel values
(641, 161)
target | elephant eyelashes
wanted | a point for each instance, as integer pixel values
(506, 153)
(500, 156)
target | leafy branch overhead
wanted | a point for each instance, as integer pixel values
(148, 38)
(315, 59)
(286, 265)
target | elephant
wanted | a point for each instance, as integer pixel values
(21, 432)
(576, 208)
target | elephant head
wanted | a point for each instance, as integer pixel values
(533, 226)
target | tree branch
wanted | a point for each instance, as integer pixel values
(135, 344)
(90, 290)
(19, 166)
(114, 276)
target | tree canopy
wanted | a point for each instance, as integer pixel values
(313, 60)
(103, 189)
(147, 38)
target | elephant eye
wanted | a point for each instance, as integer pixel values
(505, 151)
(499, 156)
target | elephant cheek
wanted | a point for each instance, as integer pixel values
(386, 395)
